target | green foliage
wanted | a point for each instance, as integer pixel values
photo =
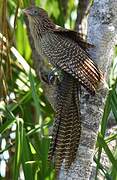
(25, 113)
(102, 142)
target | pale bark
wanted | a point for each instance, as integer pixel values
(82, 15)
(102, 32)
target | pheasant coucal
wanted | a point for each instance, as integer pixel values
(65, 50)
(67, 125)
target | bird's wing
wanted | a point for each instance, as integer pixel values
(73, 59)
(75, 36)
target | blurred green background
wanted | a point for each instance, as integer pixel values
(25, 113)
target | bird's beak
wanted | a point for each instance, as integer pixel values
(26, 12)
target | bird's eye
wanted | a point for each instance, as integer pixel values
(35, 12)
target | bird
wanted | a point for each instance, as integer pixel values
(67, 124)
(65, 50)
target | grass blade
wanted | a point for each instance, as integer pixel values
(18, 148)
(107, 150)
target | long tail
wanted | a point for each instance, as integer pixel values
(73, 130)
(67, 127)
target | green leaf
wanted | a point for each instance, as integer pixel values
(101, 167)
(10, 120)
(35, 97)
(20, 36)
(18, 148)
(104, 145)
(113, 170)
(106, 113)
(114, 103)
(27, 156)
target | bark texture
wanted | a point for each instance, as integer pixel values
(82, 15)
(102, 32)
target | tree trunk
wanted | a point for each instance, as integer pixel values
(82, 15)
(102, 32)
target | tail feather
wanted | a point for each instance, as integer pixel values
(74, 136)
(66, 130)
(57, 146)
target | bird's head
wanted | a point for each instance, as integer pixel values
(35, 12)
(38, 17)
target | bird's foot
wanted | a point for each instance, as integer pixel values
(53, 76)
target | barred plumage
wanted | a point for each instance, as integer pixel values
(67, 126)
(67, 55)
(65, 50)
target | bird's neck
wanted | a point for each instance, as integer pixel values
(38, 29)
(47, 25)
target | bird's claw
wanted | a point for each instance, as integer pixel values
(51, 78)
